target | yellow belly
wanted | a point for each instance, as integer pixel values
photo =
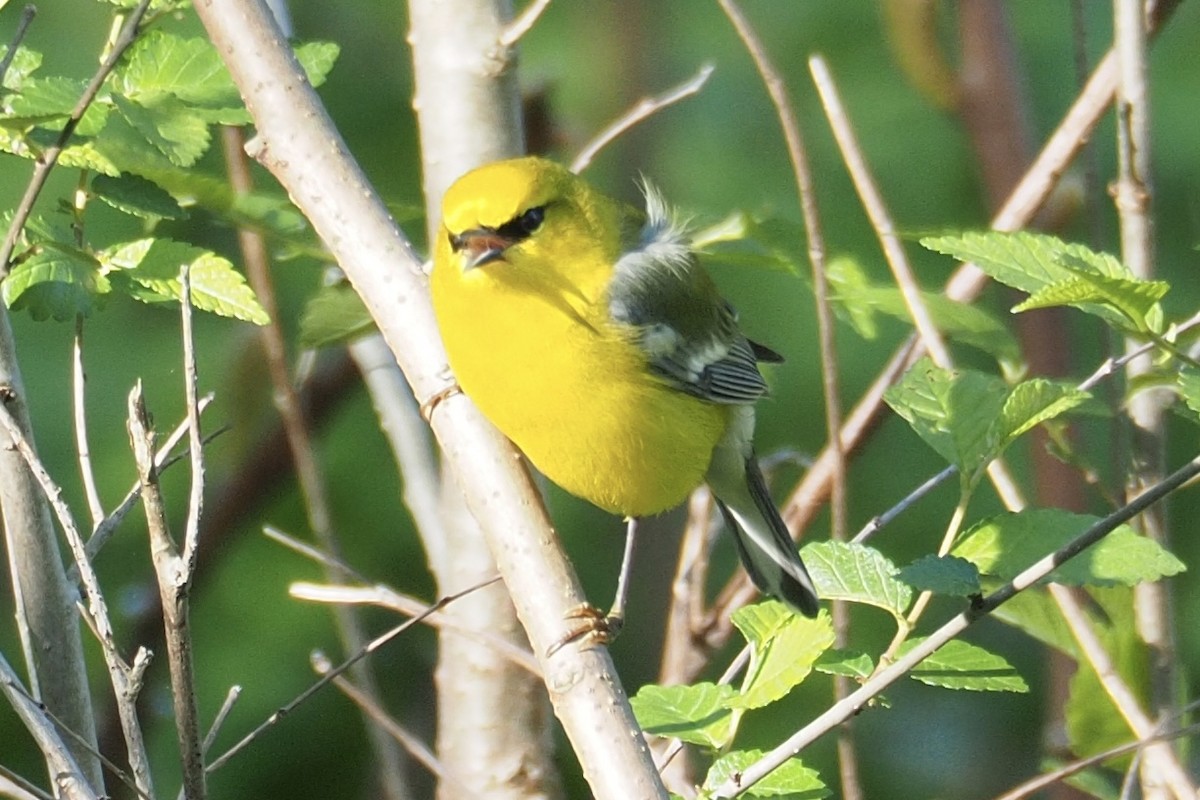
(580, 403)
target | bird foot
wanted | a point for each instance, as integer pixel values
(594, 628)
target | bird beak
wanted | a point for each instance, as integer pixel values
(479, 246)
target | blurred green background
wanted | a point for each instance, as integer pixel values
(711, 154)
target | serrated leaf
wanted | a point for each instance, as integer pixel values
(1135, 302)
(783, 647)
(1023, 260)
(154, 266)
(1031, 403)
(1188, 383)
(317, 60)
(169, 125)
(791, 781)
(848, 663)
(947, 575)
(962, 665)
(1007, 544)
(59, 282)
(952, 411)
(855, 572)
(23, 64)
(335, 315)
(1034, 612)
(695, 714)
(135, 195)
(188, 68)
(49, 101)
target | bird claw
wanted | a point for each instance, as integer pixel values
(595, 628)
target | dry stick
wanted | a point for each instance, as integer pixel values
(126, 678)
(1146, 408)
(327, 677)
(644, 108)
(524, 22)
(27, 15)
(162, 460)
(231, 697)
(301, 147)
(68, 778)
(406, 739)
(842, 711)
(777, 90)
(388, 760)
(46, 161)
(174, 582)
(1033, 785)
(18, 788)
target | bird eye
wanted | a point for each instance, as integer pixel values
(532, 219)
(522, 227)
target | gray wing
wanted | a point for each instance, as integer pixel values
(689, 333)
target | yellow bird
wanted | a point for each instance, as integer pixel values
(591, 337)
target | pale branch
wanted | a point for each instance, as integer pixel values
(26, 19)
(126, 678)
(79, 410)
(326, 678)
(524, 22)
(642, 110)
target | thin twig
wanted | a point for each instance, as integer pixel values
(82, 451)
(49, 157)
(231, 697)
(367, 649)
(524, 22)
(1033, 785)
(802, 173)
(191, 535)
(126, 679)
(386, 722)
(18, 788)
(644, 108)
(27, 15)
(840, 712)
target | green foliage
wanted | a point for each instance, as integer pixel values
(858, 574)
(948, 575)
(334, 315)
(792, 781)
(142, 139)
(961, 665)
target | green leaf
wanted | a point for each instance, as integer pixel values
(49, 102)
(1135, 301)
(1188, 382)
(747, 240)
(947, 575)
(188, 68)
(855, 572)
(953, 412)
(137, 196)
(317, 60)
(1023, 260)
(335, 315)
(791, 781)
(1030, 404)
(783, 647)
(24, 63)
(1007, 544)
(149, 270)
(961, 665)
(849, 663)
(1035, 612)
(58, 281)
(696, 714)
(169, 125)
(860, 301)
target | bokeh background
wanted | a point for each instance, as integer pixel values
(586, 63)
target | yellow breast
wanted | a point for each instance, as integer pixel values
(550, 371)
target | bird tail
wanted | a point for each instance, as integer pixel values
(763, 542)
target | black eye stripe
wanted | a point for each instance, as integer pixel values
(524, 225)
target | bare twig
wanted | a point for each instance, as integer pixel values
(388, 759)
(49, 156)
(82, 451)
(231, 697)
(68, 778)
(327, 677)
(15, 787)
(524, 22)
(842, 711)
(644, 108)
(27, 15)
(797, 154)
(126, 679)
